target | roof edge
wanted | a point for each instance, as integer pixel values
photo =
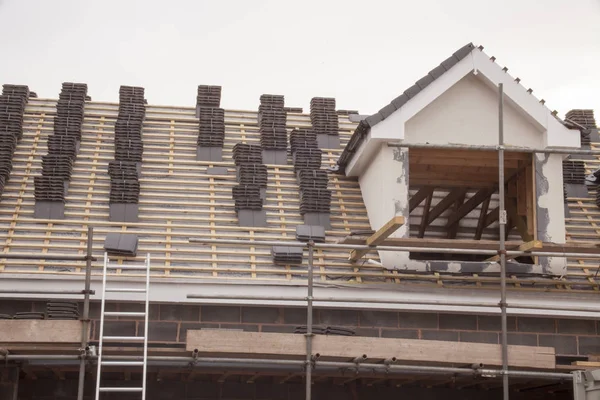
(366, 124)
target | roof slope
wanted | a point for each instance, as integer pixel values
(363, 127)
(178, 200)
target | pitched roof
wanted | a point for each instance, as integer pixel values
(180, 198)
(363, 127)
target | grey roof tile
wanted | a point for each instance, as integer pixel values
(449, 62)
(387, 110)
(400, 100)
(437, 71)
(412, 91)
(363, 127)
(463, 51)
(425, 81)
(374, 119)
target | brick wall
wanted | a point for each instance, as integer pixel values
(170, 322)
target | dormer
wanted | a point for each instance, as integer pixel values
(453, 194)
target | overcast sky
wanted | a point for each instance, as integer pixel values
(363, 53)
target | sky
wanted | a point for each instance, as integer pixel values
(363, 53)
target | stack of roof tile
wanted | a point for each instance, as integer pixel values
(584, 118)
(211, 133)
(129, 148)
(12, 107)
(573, 172)
(247, 153)
(62, 310)
(249, 195)
(323, 116)
(315, 198)
(57, 165)
(272, 122)
(208, 96)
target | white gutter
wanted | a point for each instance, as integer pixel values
(176, 291)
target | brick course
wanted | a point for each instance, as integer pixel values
(169, 324)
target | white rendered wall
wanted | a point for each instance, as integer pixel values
(384, 187)
(467, 113)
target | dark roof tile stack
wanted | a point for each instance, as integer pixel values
(12, 108)
(211, 131)
(129, 147)
(323, 117)
(57, 165)
(272, 120)
(251, 176)
(573, 172)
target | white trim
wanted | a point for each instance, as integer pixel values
(392, 128)
(176, 290)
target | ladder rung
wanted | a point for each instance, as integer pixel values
(123, 338)
(124, 314)
(121, 389)
(126, 290)
(123, 363)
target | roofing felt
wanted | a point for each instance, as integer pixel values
(180, 199)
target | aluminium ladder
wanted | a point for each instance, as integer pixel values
(129, 339)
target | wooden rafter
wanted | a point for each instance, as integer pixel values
(483, 213)
(469, 205)
(444, 204)
(425, 217)
(418, 197)
(453, 230)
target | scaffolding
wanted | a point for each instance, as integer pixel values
(311, 362)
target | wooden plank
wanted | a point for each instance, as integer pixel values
(517, 220)
(375, 239)
(39, 331)
(527, 246)
(236, 343)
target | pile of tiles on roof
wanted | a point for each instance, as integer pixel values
(272, 119)
(585, 119)
(63, 144)
(211, 134)
(324, 120)
(54, 310)
(12, 107)
(315, 198)
(250, 193)
(124, 170)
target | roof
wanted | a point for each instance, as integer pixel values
(179, 200)
(363, 127)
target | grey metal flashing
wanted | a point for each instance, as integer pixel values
(209, 154)
(323, 219)
(274, 157)
(576, 190)
(49, 210)
(123, 212)
(325, 141)
(253, 218)
(363, 127)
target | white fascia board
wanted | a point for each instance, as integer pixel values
(176, 291)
